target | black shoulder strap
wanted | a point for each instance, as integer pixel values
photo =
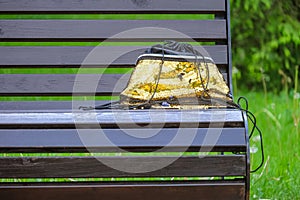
(171, 47)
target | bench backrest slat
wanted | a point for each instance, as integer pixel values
(94, 30)
(62, 84)
(72, 57)
(122, 6)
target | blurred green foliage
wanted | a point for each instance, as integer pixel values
(265, 43)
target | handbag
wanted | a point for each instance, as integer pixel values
(175, 75)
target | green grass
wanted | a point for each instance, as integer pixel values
(278, 117)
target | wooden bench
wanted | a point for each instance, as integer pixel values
(66, 155)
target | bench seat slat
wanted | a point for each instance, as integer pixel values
(176, 191)
(35, 140)
(120, 6)
(100, 166)
(97, 30)
(29, 56)
(125, 119)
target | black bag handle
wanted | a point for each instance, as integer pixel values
(171, 47)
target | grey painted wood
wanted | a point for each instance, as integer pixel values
(79, 167)
(119, 6)
(229, 139)
(12, 56)
(64, 84)
(175, 191)
(125, 119)
(97, 30)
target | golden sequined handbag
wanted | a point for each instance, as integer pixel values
(176, 80)
(173, 75)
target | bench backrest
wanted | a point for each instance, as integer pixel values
(51, 44)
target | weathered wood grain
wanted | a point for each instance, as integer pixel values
(133, 166)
